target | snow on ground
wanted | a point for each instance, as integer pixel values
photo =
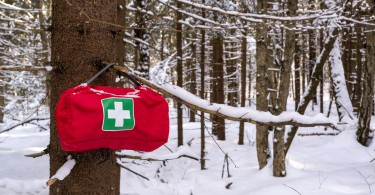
(322, 165)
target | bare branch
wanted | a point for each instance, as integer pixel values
(23, 122)
(153, 159)
(39, 154)
(122, 166)
(22, 68)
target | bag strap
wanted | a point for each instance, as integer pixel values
(118, 72)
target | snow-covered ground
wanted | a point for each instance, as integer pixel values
(322, 165)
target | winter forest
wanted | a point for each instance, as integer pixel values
(264, 96)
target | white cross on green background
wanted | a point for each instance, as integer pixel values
(118, 114)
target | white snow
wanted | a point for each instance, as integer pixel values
(339, 84)
(65, 169)
(315, 165)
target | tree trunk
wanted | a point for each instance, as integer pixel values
(192, 73)
(179, 74)
(340, 91)
(357, 91)
(261, 85)
(231, 66)
(120, 51)
(297, 69)
(367, 103)
(279, 169)
(202, 89)
(77, 48)
(243, 84)
(141, 33)
(218, 124)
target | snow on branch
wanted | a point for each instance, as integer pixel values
(258, 17)
(234, 113)
(63, 171)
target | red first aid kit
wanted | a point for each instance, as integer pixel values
(93, 117)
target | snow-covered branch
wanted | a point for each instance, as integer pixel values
(234, 113)
(63, 171)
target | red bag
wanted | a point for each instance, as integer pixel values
(93, 117)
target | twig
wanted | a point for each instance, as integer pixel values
(317, 134)
(22, 68)
(168, 148)
(122, 166)
(226, 162)
(217, 144)
(23, 122)
(368, 184)
(36, 124)
(292, 188)
(39, 154)
(152, 159)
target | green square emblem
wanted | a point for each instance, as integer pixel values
(118, 114)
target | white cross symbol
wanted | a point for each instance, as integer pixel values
(118, 114)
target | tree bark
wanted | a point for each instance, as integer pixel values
(218, 124)
(262, 41)
(367, 103)
(192, 73)
(279, 169)
(78, 46)
(202, 89)
(141, 32)
(243, 84)
(297, 69)
(179, 74)
(231, 66)
(120, 51)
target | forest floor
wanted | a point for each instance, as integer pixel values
(322, 165)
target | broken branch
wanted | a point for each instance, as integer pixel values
(63, 171)
(39, 154)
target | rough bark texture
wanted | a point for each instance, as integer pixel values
(243, 85)
(192, 67)
(261, 86)
(297, 70)
(231, 66)
(202, 90)
(279, 169)
(218, 124)
(367, 103)
(43, 34)
(179, 74)
(141, 33)
(202, 83)
(357, 91)
(2, 98)
(77, 48)
(120, 46)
